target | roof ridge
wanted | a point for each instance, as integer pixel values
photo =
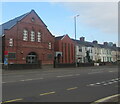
(9, 24)
(16, 18)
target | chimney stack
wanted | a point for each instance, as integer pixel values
(105, 43)
(95, 42)
(114, 45)
(82, 39)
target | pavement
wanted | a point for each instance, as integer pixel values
(84, 84)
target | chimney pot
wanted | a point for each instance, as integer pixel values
(95, 42)
(114, 45)
(105, 43)
(82, 39)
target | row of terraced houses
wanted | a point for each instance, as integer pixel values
(26, 40)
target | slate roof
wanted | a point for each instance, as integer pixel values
(85, 43)
(11, 23)
(14, 21)
(91, 44)
(59, 37)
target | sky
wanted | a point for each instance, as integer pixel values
(96, 20)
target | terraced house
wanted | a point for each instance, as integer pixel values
(106, 52)
(26, 39)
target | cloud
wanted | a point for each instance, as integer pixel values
(102, 16)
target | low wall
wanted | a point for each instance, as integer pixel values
(108, 63)
(85, 64)
(47, 66)
(22, 66)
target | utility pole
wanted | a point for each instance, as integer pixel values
(75, 38)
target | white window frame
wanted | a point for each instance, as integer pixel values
(50, 45)
(25, 35)
(39, 37)
(32, 36)
(11, 42)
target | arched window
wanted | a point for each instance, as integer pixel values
(32, 37)
(39, 38)
(50, 45)
(25, 35)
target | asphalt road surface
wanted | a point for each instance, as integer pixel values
(60, 85)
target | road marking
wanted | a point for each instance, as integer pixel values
(110, 82)
(111, 71)
(98, 83)
(72, 88)
(94, 72)
(77, 74)
(64, 76)
(27, 80)
(22, 80)
(48, 93)
(105, 99)
(9, 82)
(31, 79)
(91, 85)
(37, 78)
(104, 82)
(12, 100)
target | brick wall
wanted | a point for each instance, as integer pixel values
(66, 46)
(23, 48)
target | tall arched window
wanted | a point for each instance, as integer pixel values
(25, 35)
(39, 38)
(50, 45)
(32, 37)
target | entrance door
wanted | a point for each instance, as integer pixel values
(31, 58)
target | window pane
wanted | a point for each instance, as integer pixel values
(11, 42)
(32, 36)
(25, 35)
(39, 37)
(50, 46)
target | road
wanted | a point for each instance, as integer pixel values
(60, 85)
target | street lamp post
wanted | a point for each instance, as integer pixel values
(75, 24)
(75, 38)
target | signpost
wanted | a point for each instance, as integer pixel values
(6, 58)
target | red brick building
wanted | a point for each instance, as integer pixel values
(64, 49)
(26, 39)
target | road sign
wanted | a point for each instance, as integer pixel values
(5, 61)
(5, 52)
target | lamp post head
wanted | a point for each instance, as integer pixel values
(76, 16)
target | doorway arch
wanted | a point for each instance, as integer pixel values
(31, 58)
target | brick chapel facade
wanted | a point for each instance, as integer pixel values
(64, 49)
(26, 39)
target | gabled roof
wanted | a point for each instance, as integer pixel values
(59, 37)
(62, 37)
(14, 21)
